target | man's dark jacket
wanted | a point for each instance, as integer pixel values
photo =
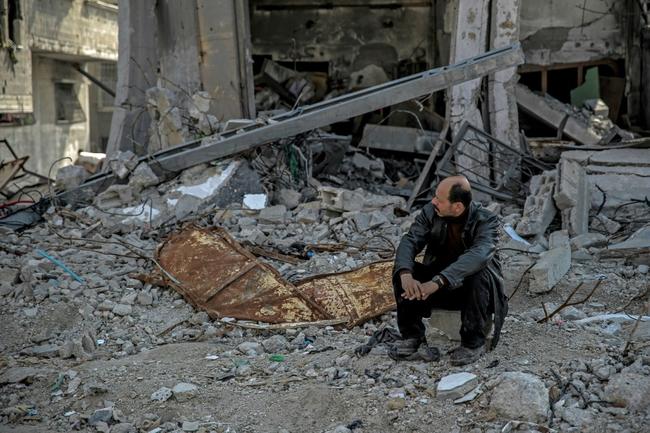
(479, 239)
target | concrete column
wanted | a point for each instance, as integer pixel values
(504, 120)
(178, 44)
(136, 72)
(468, 39)
(226, 58)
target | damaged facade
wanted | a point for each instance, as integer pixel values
(48, 109)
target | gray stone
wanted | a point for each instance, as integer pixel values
(101, 415)
(70, 176)
(642, 269)
(588, 240)
(273, 215)
(361, 161)
(601, 223)
(129, 298)
(122, 309)
(551, 266)
(250, 348)
(191, 426)
(253, 235)
(184, 391)
(199, 318)
(456, 385)
(520, 396)
(123, 427)
(577, 417)
(539, 209)
(558, 239)
(361, 221)
(19, 374)
(289, 198)
(308, 216)
(143, 177)
(629, 389)
(43, 351)
(162, 394)
(573, 196)
(378, 219)
(144, 298)
(123, 163)
(114, 196)
(275, 344)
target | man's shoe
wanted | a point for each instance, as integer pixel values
(413, 349)
(464, 355)
(401, 349)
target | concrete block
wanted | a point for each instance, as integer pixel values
(549, 269)
(539, 209)
(70, 176)
(273, 215)
(143, 177)
(558, 239)
(446, 321)
(573, 196)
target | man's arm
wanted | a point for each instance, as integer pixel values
(414, 241)
(477, 256)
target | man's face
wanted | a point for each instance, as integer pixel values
(441, 201)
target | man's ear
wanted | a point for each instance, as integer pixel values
(459, 207)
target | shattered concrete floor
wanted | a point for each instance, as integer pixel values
(114, 354)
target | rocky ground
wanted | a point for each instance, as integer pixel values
(112, 354)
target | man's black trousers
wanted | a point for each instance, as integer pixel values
(473, 299)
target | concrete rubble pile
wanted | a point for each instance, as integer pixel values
(89, 345)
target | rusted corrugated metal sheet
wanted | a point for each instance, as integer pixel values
(359, 295)
(216, 274)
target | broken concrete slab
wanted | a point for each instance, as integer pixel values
(343, 200)
(546, 109)
(638, 240)
(539, 209)
(398, 139)
(551, 266)
(456, 385)
(588, 240)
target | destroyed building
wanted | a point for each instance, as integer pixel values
(49, 109)
(219, 257)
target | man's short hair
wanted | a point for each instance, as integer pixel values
(459, 194)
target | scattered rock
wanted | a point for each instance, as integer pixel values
(456, 385)
(184, 391)
(162, 394)
(520, 396)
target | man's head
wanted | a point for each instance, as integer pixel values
(453, 196)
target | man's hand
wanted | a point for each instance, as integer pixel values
(411, 287)
(427, 289)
